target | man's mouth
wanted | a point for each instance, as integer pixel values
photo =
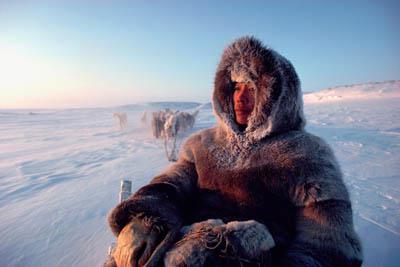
(242, 110)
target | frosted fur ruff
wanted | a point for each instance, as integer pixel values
(277, 89)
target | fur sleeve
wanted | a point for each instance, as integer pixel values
(165, 198)
(325, 234)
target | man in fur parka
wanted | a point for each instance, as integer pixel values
(255, 186)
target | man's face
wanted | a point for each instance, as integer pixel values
(243, 102)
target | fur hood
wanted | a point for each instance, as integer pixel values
(279, 104)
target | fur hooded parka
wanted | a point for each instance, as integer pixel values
(273, 172)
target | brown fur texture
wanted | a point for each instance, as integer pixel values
(273, 172)
(214, 243)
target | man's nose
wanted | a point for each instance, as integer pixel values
(243, 96)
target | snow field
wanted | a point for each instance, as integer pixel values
(60, 172)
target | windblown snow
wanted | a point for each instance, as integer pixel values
(60, 171)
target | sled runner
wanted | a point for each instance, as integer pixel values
(125, 191)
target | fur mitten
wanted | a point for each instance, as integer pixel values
(213, 243)
(136, 242)
(196, 248)
(247, 242)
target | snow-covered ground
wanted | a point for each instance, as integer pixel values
(60, 172)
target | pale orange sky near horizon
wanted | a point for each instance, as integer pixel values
(36, 81)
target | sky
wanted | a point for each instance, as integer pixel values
(69, 54)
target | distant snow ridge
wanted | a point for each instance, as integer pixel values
(159, 105)
(365, 91)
